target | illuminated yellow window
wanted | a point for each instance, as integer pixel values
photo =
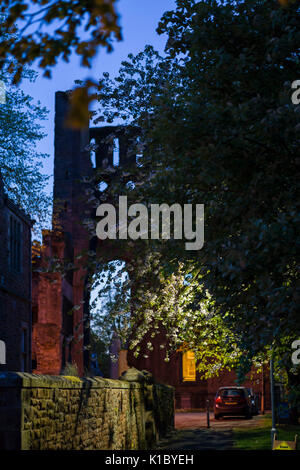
(188, 366)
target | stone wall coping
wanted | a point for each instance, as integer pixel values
(26, 380)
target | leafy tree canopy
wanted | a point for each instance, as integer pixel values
(218, 127)
(20, 163)
(52, 29)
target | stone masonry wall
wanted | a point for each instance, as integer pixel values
(54, 412)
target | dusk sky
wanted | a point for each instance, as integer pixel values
(138, 20)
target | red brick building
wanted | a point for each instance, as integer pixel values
(52, 299)
(191, 392)
(15, 285)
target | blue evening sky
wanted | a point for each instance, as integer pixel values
(138, 19)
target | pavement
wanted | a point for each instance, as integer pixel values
(191, 432)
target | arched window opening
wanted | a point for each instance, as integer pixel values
(102, 186)
(110, 319)
(116, 152)
(93, 153)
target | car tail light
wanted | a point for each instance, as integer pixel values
(218, 399)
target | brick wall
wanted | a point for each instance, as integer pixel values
(54, 412)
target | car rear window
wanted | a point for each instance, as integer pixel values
(232, 392)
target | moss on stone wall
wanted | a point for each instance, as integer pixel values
(52, 413)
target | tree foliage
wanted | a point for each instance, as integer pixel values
(20, 163)
(52, 29)
(110, 309)
(218, 127)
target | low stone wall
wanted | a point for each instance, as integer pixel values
(54, 412)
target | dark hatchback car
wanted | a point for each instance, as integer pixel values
(232, 401)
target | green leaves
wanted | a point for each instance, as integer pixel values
(222, 134)
(20, 163)
(35, 41)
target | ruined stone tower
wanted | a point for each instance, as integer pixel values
(54, 295)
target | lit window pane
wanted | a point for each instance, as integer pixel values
(188, 366)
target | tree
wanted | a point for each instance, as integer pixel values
(113, 318)
(50, 29)
(240, 128)
(20, 163)
(100, 355)
(218, 127)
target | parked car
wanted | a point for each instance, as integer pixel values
(232, 401)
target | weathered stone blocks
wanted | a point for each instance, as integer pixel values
(50, 412)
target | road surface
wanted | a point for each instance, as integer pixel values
(191, 432)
